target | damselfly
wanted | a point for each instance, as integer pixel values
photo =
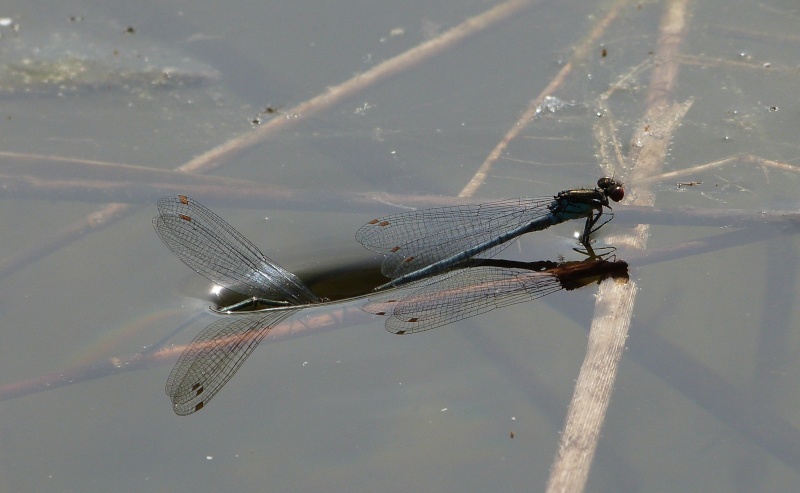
(426, 242)
(466, 292)
(216, 251)
(216, 354)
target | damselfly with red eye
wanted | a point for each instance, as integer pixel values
(422, 243)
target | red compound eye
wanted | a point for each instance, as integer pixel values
(616, 194)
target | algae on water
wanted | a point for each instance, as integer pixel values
(77, 62)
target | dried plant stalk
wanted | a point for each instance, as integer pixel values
(614, 305)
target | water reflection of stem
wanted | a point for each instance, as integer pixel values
(37, 177)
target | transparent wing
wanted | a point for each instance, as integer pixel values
(216, 251)
(215, 355)
(458, 295)
(415, 239)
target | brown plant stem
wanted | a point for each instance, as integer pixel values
(615, 302)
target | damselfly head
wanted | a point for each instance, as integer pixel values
(616, 194)
(612, 188)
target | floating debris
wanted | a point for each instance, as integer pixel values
(552, 104)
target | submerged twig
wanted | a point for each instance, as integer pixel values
(380, 72)
(32, 176)
(581, 51)
(289, 329)
(614, 306)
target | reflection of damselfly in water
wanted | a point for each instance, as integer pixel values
(421, 243)
(214, 249)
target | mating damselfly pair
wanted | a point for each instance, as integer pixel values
(432, 255)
